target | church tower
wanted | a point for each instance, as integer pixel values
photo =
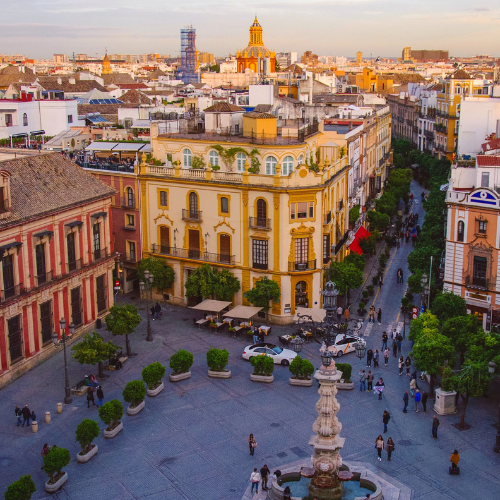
(106, 66)
(256, 33)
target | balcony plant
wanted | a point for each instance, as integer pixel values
(152, 375)
(86, 432)
(22, 489)
(263, 367)
(111, 413)
(53, 462)
(217, 360)
(180, 363)
(134, 393)
(301, 369)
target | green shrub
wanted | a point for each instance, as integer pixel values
(262, 365)
(375, 280)
(55, 460)
(301, 368)
(152, 375)
(217, 359)
(370, 289)
(181, 361)
(86, 432)
(346, 370)
(362, 305)
(22, 489)
(111, 413)
(134, 392)
(354, 213)
(365, 294)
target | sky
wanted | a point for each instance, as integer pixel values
(327, 27)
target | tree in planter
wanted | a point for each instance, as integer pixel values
(152, 375)
(217, 359)
(362, 309)
(93, 350)
(134, 393)
(123, 320)
(163, 274)
(181, 362)
(54, 461)
(346, 370)
(345, 276)
(301, 368)
(111, 413)
(264, 291)
(86, 432)
(22, 489)
(262, 365)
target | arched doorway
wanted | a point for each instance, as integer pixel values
(301, 294)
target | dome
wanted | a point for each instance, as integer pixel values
(253, 51)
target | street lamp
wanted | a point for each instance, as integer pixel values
(329, 305)
(297, 344)
(62, 323)
(146, 286)
(423, 282)
(360, 347)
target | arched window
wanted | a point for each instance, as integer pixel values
(287, 165)
(461, 230)
(25, 120)
(300, 160)
(271, 163)
(261, 213)
(193, 205)
(214, 159)
(457, 89)
(240, 162)
(130, 197)
(187, 157)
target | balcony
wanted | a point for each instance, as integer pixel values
(381, 162)
(11, 292)
(294, 267)
(74, 265)
(130, 257)
(429, 134)
(102, 253)
(259, 223)
(41, 279)
(191, 215)
(340, 205)
(341, 243)
(128, 202)
(184, 253)
(476, 282)
(327, 218)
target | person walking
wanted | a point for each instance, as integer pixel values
(369, 357)
(255, 480)
(45, 451)
(380, 282)
(26, 415)
(399, 339)
(408, 365)
(418, 397)
(395, 348)
(100, 396)
(157, 310)
(407, 236)
(413, 386)
(372, 314)
(152, 311)
(401, 364)
(264, 474)
(386, 356)
(379, 444)
(376, 357)
(424, 400)
(405, 399)
(90, 396)
(390, 448)
(386, 416)
(435, 425)
(362, 380)
(398, 275)
(379, 387)
(347, 314)
(369, 379)
(401, 275)
(379, 316)
(19, 414)
(339, 314)
(252, 444)
(255, 335)
(384, 340)
(455, 458)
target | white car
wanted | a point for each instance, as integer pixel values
(343, 345)
(280, 356)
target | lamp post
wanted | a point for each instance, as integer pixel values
(423, 282)
(297, 344)
(62, 323)
(330, 306)
(146, 286)
(360, 347)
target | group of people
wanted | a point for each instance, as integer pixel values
(93, 389)
(373, 313)
(24, 415)
(156, 311)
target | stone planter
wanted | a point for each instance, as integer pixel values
(179, 377)
(445, 402)
(222, 374)
(114, 432)
(262, 378)
(154, 392)
(85, 458)
(301, 382)
(134, 411)
(51, 488)
(347, 386)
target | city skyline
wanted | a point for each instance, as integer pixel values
(348, 25)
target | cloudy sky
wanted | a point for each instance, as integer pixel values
(327, 27)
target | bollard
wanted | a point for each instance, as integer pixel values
(59, 407)
(47, 417)
(34, 426)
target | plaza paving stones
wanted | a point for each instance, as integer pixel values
(190, 442)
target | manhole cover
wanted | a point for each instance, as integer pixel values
(404, 442)
(275, 424)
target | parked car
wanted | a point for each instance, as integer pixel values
(343, 344)
(280, 355)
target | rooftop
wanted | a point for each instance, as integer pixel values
(223, 107)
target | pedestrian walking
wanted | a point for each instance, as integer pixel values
(369, 379)
(407, 236)
(18, 412)
(157, 311)
(90, 396)
(152, 311)
(394, 334)
(384, 340)
(372, 314)
(435, 425)
(418, 397)
(395, 348)
(264, 474)
(100, 396)
(26, 415)
(339, 314)
(379, 444)
(369, 357)
(386, 416)
(379, 316)
(347, 313)
(405, 399)
(255, 480)
(399, 338)
(252, 444)
(379, 387)
(408, 365)
(255, 335)
(413, 386)
(424, 400)
(386, 356)
(401, 364)
(380, 282)
(390, 448)
(401, 275)
(362, 380)
(398, 275)
(455, 458)
(45, 451)
(376, 356)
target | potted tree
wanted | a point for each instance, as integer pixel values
(361, 309)
(93, 350)
(263, 367)
(345, 381)
(134, 393)
(111, 413)
(301, 369)
(53, 462)
(152, 375)
(123, 320)
(180, 362)
(86, 432)
(217, 360)
(22, 489)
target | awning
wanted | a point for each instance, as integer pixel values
(24, 134)
(8, 110)
(37, 132)
(99, 214)
(43, 233)
(74, 223)
(101, 146)
(211, 305)
(127, 146)
(317, 315)
(8, 246)
(360, 233)
(243, 312)
(146, 148)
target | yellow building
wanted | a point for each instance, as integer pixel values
(256, 56)
(106, 66)
(205, 58)
(259, 211)
(371, 82)
(359, 58)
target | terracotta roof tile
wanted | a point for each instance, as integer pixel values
(135, 97)
(488, 160)
(223, 107)
(255, 114)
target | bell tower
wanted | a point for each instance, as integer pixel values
(256, 33)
